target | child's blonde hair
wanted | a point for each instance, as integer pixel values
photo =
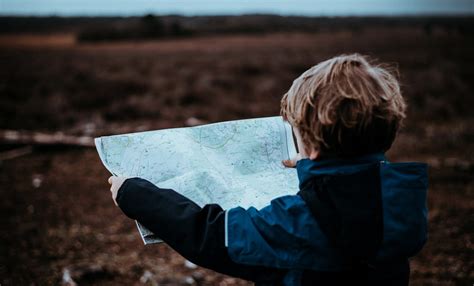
(345, 106)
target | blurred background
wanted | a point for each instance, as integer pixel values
(73, 70)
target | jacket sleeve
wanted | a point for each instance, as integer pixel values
(283, 234)
(196, 233)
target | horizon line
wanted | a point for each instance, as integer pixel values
(302, 15)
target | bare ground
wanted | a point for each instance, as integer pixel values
(56, 213)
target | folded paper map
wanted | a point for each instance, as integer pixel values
(233, 163)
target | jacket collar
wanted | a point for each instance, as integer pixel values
(307, 168)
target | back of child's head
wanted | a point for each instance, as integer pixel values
(345, 106)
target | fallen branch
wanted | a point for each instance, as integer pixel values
(193, 121)
(38, 138)
(18, 152)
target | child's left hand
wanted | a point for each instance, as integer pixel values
(115, 184)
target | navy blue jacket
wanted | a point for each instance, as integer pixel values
(353, 220)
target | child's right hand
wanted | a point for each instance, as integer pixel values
(291, 163)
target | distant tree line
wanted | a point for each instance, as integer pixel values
(146, 27)
(93, 29)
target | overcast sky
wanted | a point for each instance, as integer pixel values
(212, 7)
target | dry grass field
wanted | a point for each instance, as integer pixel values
(56, 213)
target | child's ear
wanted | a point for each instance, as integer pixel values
(314, 155)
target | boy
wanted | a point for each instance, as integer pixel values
(356, 219)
